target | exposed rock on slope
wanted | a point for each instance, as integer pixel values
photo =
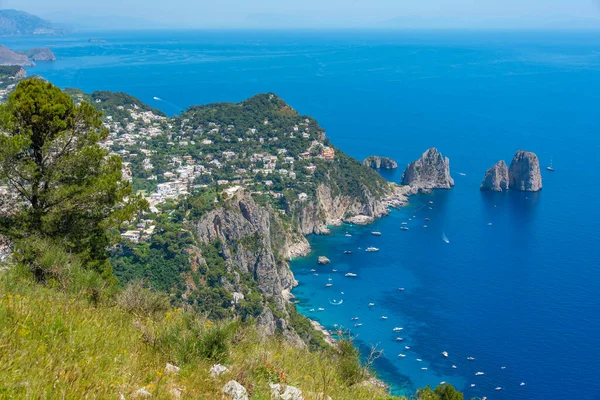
(496, 178)
(9, 57)
(431, 171)
(524, 172)
(377, 162)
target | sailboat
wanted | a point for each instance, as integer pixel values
(549, 167)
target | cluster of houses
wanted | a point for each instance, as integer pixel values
(129, 139)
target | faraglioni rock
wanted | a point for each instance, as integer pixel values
(431, 171)
(377, 162)
(524, 172)
(496, 178)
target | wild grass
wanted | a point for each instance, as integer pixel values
(63, 344)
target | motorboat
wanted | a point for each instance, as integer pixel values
(445, 353)
(351, 275)
(372, 249)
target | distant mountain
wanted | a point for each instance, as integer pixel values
(19, 23)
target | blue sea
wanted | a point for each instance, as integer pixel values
(522, 293)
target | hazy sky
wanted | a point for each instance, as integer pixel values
(326, 13)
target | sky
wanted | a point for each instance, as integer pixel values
(212, 14)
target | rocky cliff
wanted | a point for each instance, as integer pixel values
(377, 162)
(39, 54)
(524, 172)
(9, 57)
(431, 171)
(496, 178)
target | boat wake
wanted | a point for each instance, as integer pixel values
(444, 238)
(336, 302)
(157, 98)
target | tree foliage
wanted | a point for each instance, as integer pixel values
(63, 185)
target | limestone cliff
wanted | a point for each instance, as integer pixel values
(9, 57)
(255, 242)
(377, 162)
(496, 178)
(40, 54)
(431, 171)
(524, 172)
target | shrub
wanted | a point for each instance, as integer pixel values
(140, 299)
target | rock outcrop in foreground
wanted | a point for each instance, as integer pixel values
(377, 162)
(524, 172)
(496, 178)
(431, 171)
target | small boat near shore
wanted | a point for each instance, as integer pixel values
(376, 233)
(401, 355)
(358, 325)
(397, 329)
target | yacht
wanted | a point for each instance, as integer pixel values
(401, 289)
(478, 373)
(376, 233)
(371, 304)
(550, 167)
(407, 347)
(334, 270)
(316, 274)
(522, 384)
(372, 249)
(397, 329)
(351, 275)
(312, 310)
(329, 284)
(444, 238)
(503, 367)
(347, 252)
(424, 369)
(499, 388)
(419, 360)
(427, 219)
(472, 385)
(347, 234)
(313, 270)
(383, 317)
(399, 339)
(471, 358)
(430, 202)
(320, 309)
(354, 318)
(454, 366)
(401, 355)
(424, 226)
(445, 353)
(404, 228)
(404, 223)
(358, 325)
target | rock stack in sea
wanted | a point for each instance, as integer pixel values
(524, 172)
(431, 171)
(523, 175)
(377, 162)
(496, 178)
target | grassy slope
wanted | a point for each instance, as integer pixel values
(58, 345)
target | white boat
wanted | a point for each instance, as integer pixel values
(471, 358)
(404, 228)
(462, 174)
(407, 347)
(419, 360)
(347, 252)
(489, 224)
(503, 367)
(424, 369)
(347, 234)
(445, 353)
(316, 274)
(430, 202)
(397, 329)
(156, 98)
(329, 284)
(472, 385)
(522, 384)
(372, 249)
(312, 310)
(454, 366)
(401, 289)
(424, 226)
(401, 355)
(499, 388)
(351, 275)
(376, 233)
(354, 318)
(444, 238)
(334, 270)
(550, 167)
(371, 304)
(404, 223)
(478, 373)
(320, 309)
(399, 339)
(383, 317)
(313, 270)
(358, 325)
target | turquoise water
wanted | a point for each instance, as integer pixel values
(521, 293)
